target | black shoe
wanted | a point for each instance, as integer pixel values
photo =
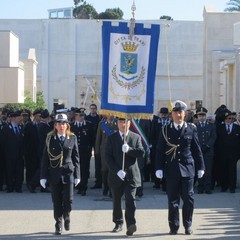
(117, 228)
(45, 190)
(223, 189)
(200, 191)
(105, 192)
(9, 190)
(18, 190)
(156, 186)
(140, 195)
(173, 232)
(67, 225)
(188, 231)
(232, 191)
(79, 192)
(208, 192)
(131, 229)
(30, 188)
(58, 231)
(83, 193)
(96, 186)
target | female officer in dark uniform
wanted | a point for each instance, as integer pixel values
(60, 167)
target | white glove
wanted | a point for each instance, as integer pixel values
(159, 174)
(200, 173)
(76, 181)
(121, 174)
(43, 182)
(125, 148)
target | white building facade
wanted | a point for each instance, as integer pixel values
(69, 56)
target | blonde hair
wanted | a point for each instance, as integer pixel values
(68, 131)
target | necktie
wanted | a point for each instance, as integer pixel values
(62, 138)
(228, 129)
(178, 128)
(16, 130)
(123, 138)
(202, 124)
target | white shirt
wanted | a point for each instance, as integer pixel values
(176, 125)
(59, 136)
(125, 134)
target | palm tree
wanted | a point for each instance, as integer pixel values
(234, 6)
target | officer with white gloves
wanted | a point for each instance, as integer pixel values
(122, 150)
(60, 167)
(178, 153)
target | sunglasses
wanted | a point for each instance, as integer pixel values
(229, 118)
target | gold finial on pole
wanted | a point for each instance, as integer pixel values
(132, 21)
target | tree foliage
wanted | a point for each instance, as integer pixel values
(85, 11)
(77, 2)
(166, 18)
(28, 103)
(111, 13)
(234, 6)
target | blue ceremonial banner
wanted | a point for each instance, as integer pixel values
(129, 69)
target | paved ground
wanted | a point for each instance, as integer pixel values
(29, 216)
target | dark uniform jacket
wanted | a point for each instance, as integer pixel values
(31, 141)
(184, 151)
(228, 145)
(43, 130)
(101, 139)
(68, 168)
(95, 121)
(114, 158)
(85, 136)
(206, 136)
(12, 144)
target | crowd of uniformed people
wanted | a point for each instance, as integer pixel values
(23, 138)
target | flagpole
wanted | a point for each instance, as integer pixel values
(131, 34)
(124, 141)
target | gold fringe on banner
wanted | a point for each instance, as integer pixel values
(126, 115)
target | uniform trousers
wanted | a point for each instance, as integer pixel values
(31, 164)
(98, 174)
(62, 197)
(205, 183)
(228, 173)
(180, 187)
(85, 157)
(141, 163)
(130, 204)
(15, 172)
(2, 173)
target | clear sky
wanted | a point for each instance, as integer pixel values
(146, 9)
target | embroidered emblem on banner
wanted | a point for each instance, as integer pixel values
(128, 77)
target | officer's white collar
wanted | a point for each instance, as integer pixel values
(176, 125)
(59, 135)
(125, 134)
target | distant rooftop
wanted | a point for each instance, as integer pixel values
(60, 12)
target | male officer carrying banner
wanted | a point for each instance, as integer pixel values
(178, 153)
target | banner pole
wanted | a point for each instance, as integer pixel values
(124, 141)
